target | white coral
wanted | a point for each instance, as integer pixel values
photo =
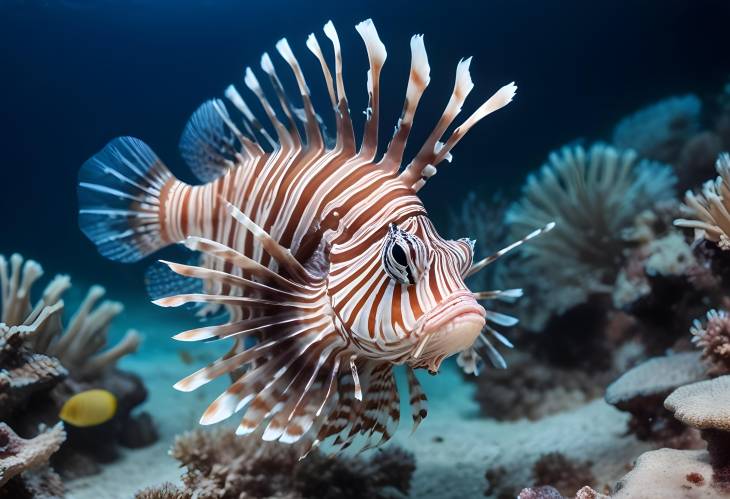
(80, 345)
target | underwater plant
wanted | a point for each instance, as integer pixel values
(324, 257)
(593, 196)
(219, 464)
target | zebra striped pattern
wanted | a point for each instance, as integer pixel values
(297, 242)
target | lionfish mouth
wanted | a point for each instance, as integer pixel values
(449, 328)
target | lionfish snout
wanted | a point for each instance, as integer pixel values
(448, 329)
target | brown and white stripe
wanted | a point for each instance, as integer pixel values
(294, 235)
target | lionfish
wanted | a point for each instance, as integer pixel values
(323, 256)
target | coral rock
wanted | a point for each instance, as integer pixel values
(706, 406)
(669, 473)
(641, 392)
(18, 455)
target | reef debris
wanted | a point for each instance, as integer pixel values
(221, 464)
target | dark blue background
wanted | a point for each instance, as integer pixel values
(76, 74)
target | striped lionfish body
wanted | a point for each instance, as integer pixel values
(323, 255)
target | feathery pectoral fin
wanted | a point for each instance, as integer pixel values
(207, 144)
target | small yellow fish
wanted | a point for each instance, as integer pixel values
(89, 408)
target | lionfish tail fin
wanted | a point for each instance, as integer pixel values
(119, 200)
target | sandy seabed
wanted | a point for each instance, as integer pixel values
(453, 446)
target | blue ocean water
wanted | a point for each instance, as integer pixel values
(76, 74)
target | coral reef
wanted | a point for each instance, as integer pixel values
(713, 337)
(641, 392)
(660, 130)
(220, 464)
(593, 196)
(24, 462)
(706, 406)
(43, 363)
(665, 473)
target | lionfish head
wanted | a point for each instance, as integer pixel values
(407, 298)
(443, 314)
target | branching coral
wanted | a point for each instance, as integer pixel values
(713, 337)
(593, 196)
(221, 464)
(19, 455)
(707, 212)
(659, 131)
(79, 346)
(37, 354)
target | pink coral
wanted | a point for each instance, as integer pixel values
(714, 339)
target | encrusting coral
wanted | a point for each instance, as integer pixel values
(593, 196)
(641, 392)
(705, 405)
(43, 363)
(222, 465)
(20, 457)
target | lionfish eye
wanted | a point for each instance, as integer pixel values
(403, 256)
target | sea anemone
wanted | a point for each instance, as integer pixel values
(713, 337)
(660, 130)
(707, 211)
(593, 196)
